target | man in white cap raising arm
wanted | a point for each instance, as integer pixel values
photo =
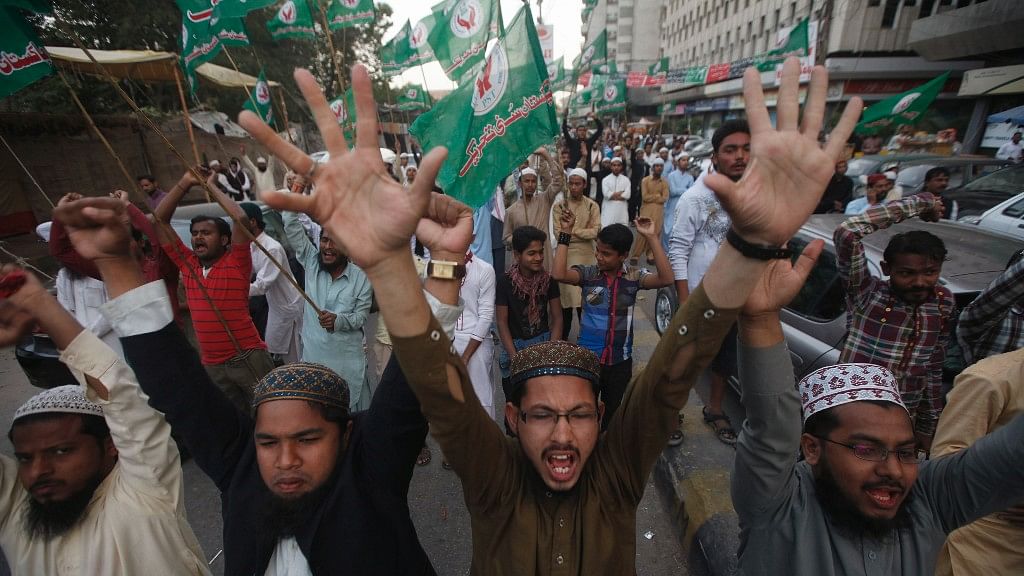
(96, 487)
(861, 502)
(263, 173)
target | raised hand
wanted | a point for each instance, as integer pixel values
(98, 227)
(568, 219)
(788, 171)
(645, 226)
(782, 281)
(69, 197)
(120, 195)
(447, 227)
(16, 317)
(355, 198)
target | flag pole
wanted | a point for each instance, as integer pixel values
(184, 110)
(27, 173)
(334, 53)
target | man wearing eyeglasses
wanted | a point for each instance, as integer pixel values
(862, 501)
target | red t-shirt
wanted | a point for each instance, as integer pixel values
(227, 283)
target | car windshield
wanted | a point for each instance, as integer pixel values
(1009, 181)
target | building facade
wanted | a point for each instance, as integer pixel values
(634, 31)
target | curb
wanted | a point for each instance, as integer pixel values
(694, 479)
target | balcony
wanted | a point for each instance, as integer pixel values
(981, 28)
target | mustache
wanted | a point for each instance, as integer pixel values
(560, 448)
(885, 484)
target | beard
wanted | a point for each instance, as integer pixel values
(285, 517)
(47, 520)
(338, 264)
(844, 513)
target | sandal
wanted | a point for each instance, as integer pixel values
(424, 458)
(724, 432)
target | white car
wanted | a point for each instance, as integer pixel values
(1006, 217)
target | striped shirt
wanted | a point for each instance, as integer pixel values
(227, 283)
(910, 340)
(606, 328)
(994, 322)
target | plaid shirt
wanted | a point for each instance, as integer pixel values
(606, 327)
(909, 340)
(994, 322)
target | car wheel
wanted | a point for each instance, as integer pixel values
(664, 309)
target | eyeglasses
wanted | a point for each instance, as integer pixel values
(874, 453)
(548, 420)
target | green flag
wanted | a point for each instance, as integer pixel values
(796, 44)
(345, 13)
(203, 36)
(413, 98)
(492, 124)
(293, 20)
(23, 60)
(238, 8)
(613, 96)
(695, 75)
(460, 34)
(344, 108)
(606, 68)
(396, 54)
(37, 6)
(659, 67)
(596, 52)
(905, 108)
(259, 102)
(419, 40)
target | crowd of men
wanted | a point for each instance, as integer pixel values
(861, 467)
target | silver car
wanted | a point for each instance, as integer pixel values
(815, 321)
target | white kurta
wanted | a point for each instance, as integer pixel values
(477, 295)
(615, 211)
(284, 315)
(83, 296)
(700, 228)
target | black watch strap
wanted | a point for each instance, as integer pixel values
(756, 251)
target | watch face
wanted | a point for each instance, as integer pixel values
(443, 270)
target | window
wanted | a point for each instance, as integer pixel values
(892, 7)
(877, 2)
(822, 297)
(1015, 210)
(926, 8)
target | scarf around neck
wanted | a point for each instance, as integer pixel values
(533, 290)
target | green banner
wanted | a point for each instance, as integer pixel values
(596, 52)
(905, 108)
(413, 98)
(460, 34)
(294, 19)
(238, 8)
(23, 60)
(203, 36)
(345, 13)
(490, 125)
(659, 67)
(259, 101)
(613, 96)
(606, 68)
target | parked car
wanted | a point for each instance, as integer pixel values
(815, 321)
(38, 355)
(1006, 217)
(913, 167)
(987, 192)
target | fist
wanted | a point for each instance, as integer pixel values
(568, 220)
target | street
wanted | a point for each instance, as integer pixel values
(435, 495)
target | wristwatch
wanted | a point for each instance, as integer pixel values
(446, 270)
(756, 251)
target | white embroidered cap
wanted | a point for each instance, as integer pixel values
(527, 172)
(578, 172)
(60, 400)
(844, 383)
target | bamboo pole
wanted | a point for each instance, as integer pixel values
(188, 119)
(334, 53)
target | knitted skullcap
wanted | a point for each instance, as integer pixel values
(844, 383)
(554, 358)
(68, 399)
(302, 381)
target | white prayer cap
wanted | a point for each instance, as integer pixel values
(617, 148)
(657, 162)
(844, 383)
(60, 400)
(578, 172)
(890, 175)
(663, 149)
(527, 172)
(683, 155)
(214, 162)
(261, 160)
(43, 231)
(387, 155)
(616, 159)
(404, 155)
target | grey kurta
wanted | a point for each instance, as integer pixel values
(783, 528)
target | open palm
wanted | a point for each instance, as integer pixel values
(788, 171)
(355, 199)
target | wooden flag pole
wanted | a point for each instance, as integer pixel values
(184, 111)
(249, 93)
(334, 53)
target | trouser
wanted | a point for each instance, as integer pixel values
(567, 321)
(504, 362)
(480, 369)
(238, 376)
(612, 387)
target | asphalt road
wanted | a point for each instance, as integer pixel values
(435, 496)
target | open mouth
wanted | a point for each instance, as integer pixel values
(887, 498)
(562, 465)
(289, 485)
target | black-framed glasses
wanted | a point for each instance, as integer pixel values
(876, 453)
(548, 420)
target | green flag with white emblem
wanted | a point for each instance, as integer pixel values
(396, 54)
(203, 36)
(413, 98)
(659, 67)
(596, 52)
(238, 8)
(460, 33)
(23, 60)
(613, 96)
(344, 108)
(493, 123)
(259, 102)
(345, 13)
(905, 108)
(606, 68)
(293, 19)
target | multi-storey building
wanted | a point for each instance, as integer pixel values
(633, 27)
